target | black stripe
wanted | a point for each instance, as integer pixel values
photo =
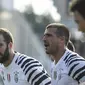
(26, 61)
(30, 64)
(67, 56)
(41, 79)
(71, 56)
(71, 69)
(21, 60)
(76, 60)
(47, 74)
(29, 77)
(32, 67)
(79, 70)
(22, 55)
(17, 58)
(81, 75)
(71, 60)
(48, 83)
(41, 73)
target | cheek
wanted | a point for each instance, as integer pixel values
(54, 43)
(2, 50)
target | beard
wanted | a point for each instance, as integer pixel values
(5, 56)
(52, 50)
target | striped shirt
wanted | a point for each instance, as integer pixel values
(25, 70)
(71, 66)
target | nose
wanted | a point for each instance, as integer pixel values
(44, 38)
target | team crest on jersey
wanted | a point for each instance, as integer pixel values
(16, 76)
(2, 75)
(55, 74)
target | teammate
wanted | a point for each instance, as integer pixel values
(78, 9)
(19, 69)
(68, 67)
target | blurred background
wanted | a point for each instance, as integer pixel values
(27, 19)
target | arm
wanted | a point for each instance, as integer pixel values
(38, 75)
(76, 68)
(35, 72)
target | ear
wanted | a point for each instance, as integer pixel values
(62, 40)
(10, 45)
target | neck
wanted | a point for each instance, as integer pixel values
(58, 55)
(8, 62)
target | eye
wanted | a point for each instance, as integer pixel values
(49, 35)
(1, 44)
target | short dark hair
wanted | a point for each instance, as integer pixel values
(7, 35)
(62, 30)
(78, 5)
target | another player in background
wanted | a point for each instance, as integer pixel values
(68, 67)
(77, 7)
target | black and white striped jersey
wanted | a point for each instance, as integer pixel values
(69, 70)
(25, 70)
(76, 66)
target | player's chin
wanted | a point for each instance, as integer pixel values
(47, 52)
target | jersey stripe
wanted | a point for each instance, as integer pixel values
(25, 62)
(80, 76)
(32, 67)
(41, 79)
(71, 56)
(74, 57)
(67, 56)
(17, 58)
(75, 61)
(48, 83)
(30, 64)
(38, 75)
(29, 76)
(79, 70)
(71, 69)
(21, 60)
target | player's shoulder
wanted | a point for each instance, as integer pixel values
(22, 57)
(72, 57)
(24, 60)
